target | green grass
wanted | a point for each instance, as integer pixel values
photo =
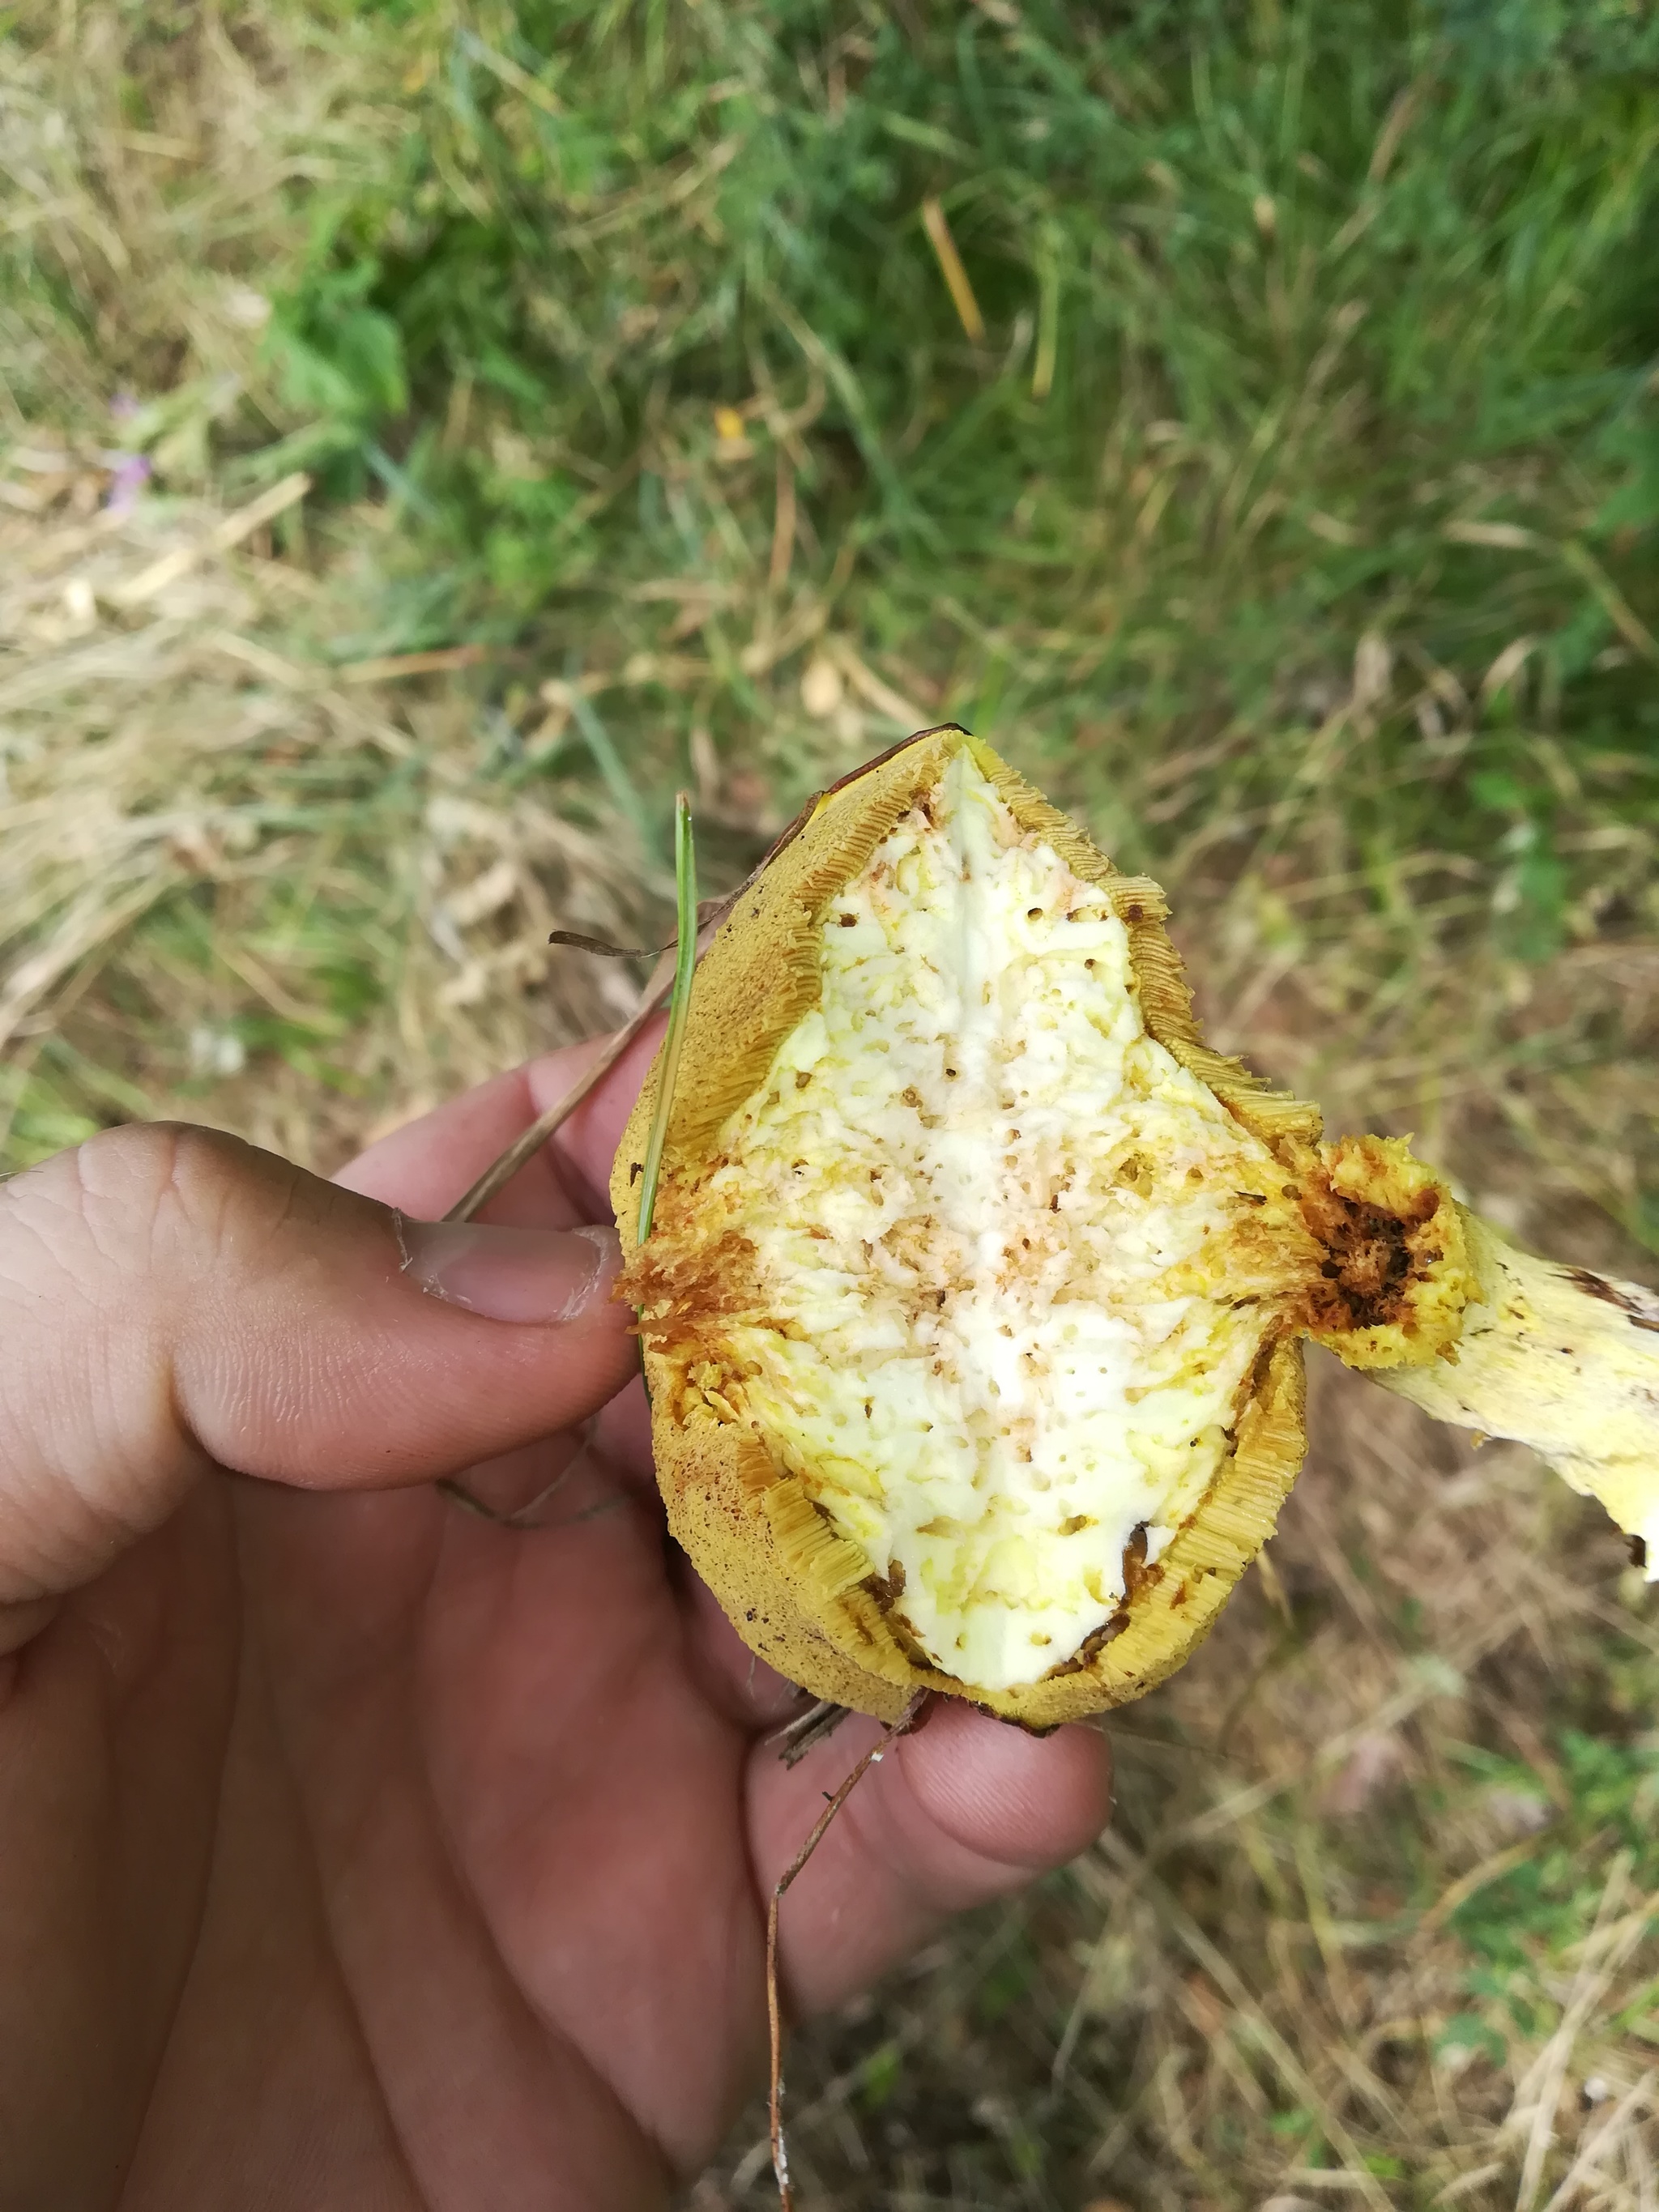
(1281, 492)
(1292, 516)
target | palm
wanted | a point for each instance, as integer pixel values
(496, 1814)
(476, 1738)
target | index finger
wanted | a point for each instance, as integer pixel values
(426, 1167)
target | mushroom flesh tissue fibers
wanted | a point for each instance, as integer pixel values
(973, 1299)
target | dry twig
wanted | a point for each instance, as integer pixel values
(908, 1722)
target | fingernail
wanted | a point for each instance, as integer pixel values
(510, 1274)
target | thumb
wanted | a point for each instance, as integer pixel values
(171, 1299)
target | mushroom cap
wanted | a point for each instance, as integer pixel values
(798, 1593)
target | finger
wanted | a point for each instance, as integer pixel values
(967, 1809)
(587, 1143)
(428, 1166)
(171, 1298)
(622, 1436)
(429, 1163)
(737, 1684)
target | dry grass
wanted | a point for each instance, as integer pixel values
(1369, 687)
(245, 885)
(156, 227)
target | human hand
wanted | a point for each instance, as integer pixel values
(356, 1850)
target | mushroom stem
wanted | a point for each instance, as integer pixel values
(1562, 1359)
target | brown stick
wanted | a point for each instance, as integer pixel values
(808, 1729)
(903, 1726)
(525, 1146)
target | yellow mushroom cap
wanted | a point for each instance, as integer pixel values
(971, 1302)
